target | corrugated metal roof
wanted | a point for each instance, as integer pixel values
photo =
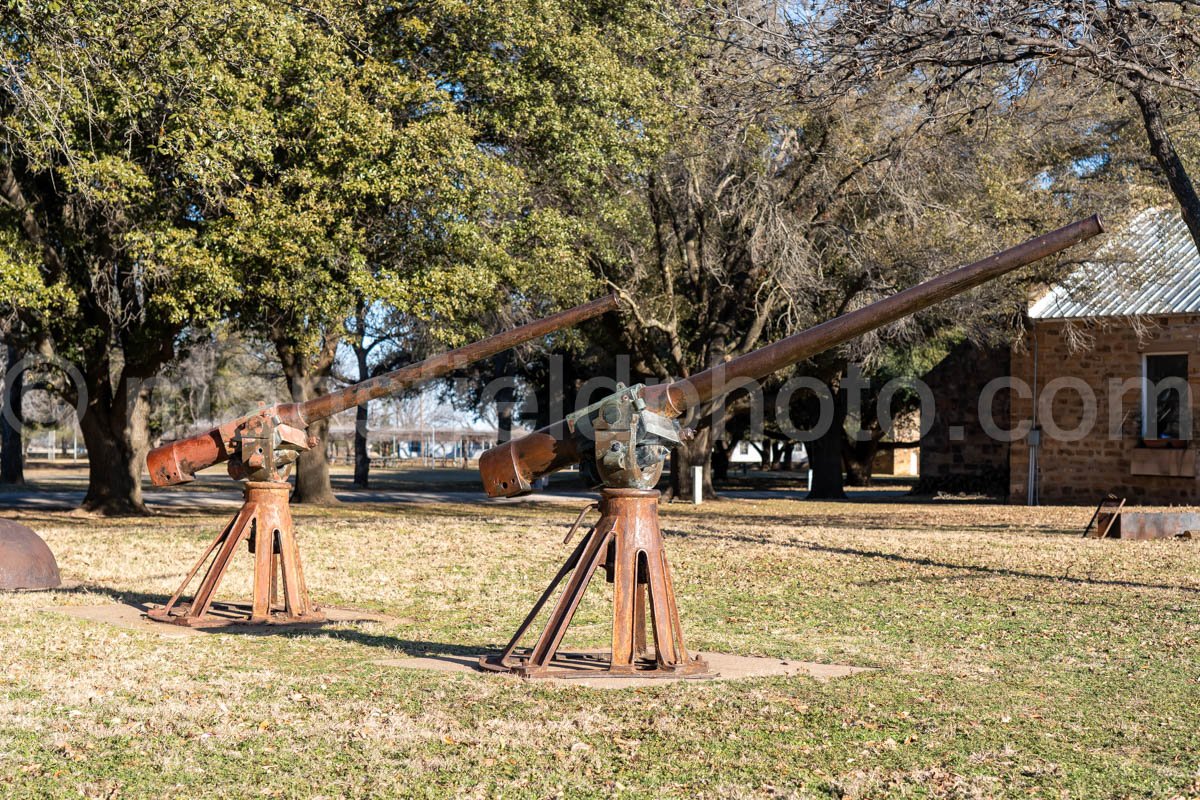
(1152, 268)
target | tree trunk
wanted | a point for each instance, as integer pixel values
(1168, 158)
(694, 453)
(306, 381)
(697, 452)
(312, 470)
(362, 457)
(506, 397)
(776, 454)
(117, 443)
(12, 452)
(825, 456)
(720, 461)
(825, 461)
(858, 458)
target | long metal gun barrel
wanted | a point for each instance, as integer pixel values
(177, 462)
(445, 363)
(510, 468)
(673, 399)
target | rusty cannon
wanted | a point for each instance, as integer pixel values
(260, 449)
(621, 443)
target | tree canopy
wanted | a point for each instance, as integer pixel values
(168, 165)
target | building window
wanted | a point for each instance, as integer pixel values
(1166, 407)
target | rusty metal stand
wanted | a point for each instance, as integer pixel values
(627, 542)
(265, 522)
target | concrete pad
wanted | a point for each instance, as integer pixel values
(134, 618)
(726, 666)
(123, 616)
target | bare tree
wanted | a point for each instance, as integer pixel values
(220, 374)
(787, 199)
(382, 340)
(1147, 51)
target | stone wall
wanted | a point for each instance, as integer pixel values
(1078, 467)
(957, 455)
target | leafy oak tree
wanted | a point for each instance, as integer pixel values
(456, 193)
(111, 145)
(166, 165)
(362, 184)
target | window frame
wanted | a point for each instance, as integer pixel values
(1146, 393)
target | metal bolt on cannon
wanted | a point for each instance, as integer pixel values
(621, 443)
(260, 449)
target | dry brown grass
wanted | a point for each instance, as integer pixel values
(1014, 660)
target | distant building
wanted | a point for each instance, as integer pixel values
(747, 453)
(1113, 416)
(898, 454)
(391, 445)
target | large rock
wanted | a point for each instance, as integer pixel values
(25, 560)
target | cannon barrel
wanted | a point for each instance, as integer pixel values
(177, 462)
(445, 363)
(510, 468)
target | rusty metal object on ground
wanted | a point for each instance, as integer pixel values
(280, 596)
(1126, 524)
(511, 468)
(25, 560)
(627, 542)
(1105, 517)
(177, 462)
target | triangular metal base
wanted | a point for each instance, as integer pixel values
(265, 521)
(627, 541)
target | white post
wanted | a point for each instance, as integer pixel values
(74, 444)
(697, 485)
(810, 473)
(50, 453)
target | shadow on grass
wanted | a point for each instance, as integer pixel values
(889, 523)
(408, 647)
(144, 601)
(923, 561)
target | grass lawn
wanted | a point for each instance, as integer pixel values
(1013, 660)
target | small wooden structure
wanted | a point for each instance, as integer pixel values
(1106, 519)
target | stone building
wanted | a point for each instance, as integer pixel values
(1113, 356)
(956, 454)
